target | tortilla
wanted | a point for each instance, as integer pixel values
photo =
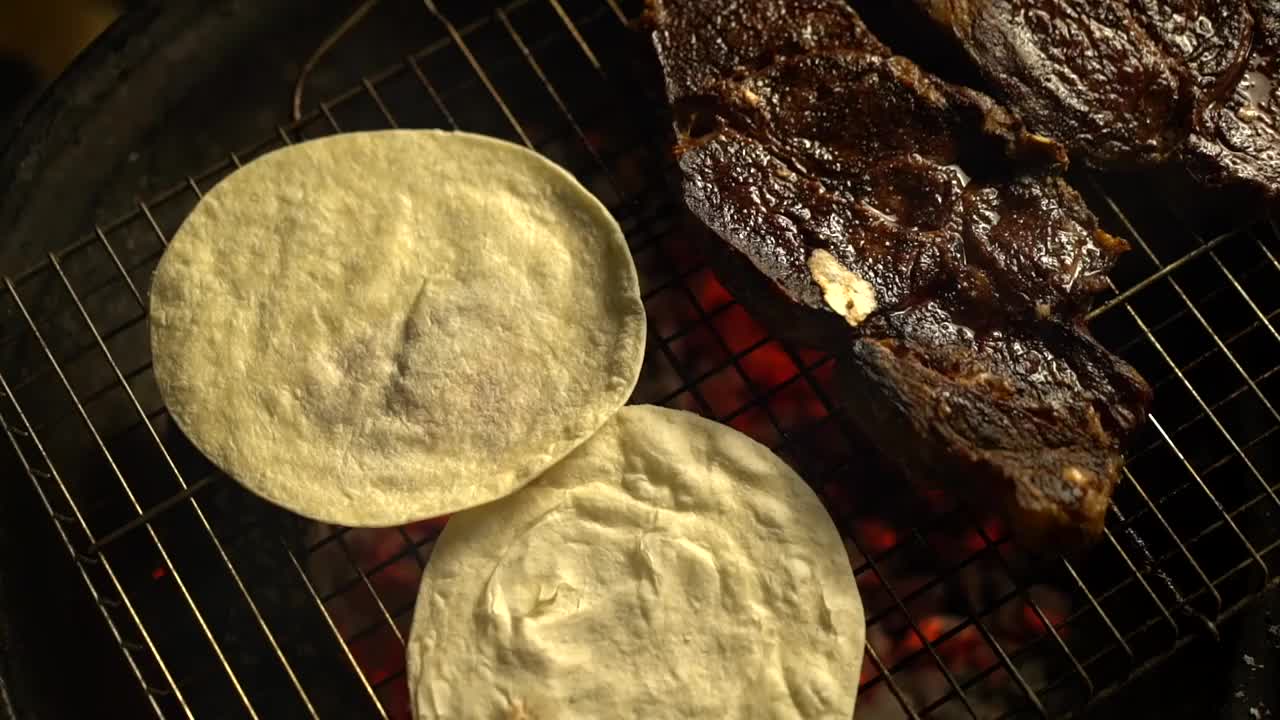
(374, 328)
(671, 567)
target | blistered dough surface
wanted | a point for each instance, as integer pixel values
(671, 567)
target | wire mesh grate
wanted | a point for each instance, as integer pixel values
(224, 606)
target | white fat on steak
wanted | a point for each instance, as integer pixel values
(845, 291)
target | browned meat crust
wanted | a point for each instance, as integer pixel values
(716, 40)
(925, 237)
(1083, 72)
(1236, 139)
(1130, 83)
(1211, 37)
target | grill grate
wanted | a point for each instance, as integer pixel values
(226, 607)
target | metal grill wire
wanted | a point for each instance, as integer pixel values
(175, 561)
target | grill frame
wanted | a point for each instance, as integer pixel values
(1141, 534)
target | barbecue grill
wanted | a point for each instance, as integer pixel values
(225, 607)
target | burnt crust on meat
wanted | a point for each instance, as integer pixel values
(1230, 48)
(1037, 407)
(926, 238)
(1187, 87)
(1211, 37)
(1083, 72)
(709, 41)
(1236, 140)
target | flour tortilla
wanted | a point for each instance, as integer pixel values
(374, 328)
(671, 567)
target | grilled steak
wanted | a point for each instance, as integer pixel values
(746, 36)
(924, 236)
(1083, 72)
(1211, 37)
(1236, 138)
(1127, 83)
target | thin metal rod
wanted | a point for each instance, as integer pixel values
(115, 259)
(352, 20)
(1235, 283)
(1215, 405)
(84, 526)
(1195, 394)
(883, 675)
(155, 228)
(1135, 574)
(483, 76)
(992, 549)
(348, 585)
(376, 624)
(613, 5)
(92, 396)
(1208, 328)
(577, 36)
(154, 512)
(187, 489)
(1009, 667)
(364, 579)
(1093, 602)
(415, 545)
(1181, 313)
(338, 531)
(432, 92)
(1218, 505)
(377, 99)
(1131, 291)
(337, 634)
(1186, 552)
(927, 645)
(182, 588)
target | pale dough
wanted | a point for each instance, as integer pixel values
(671, 567)
(374, 328)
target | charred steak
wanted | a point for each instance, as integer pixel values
(1083, 72)
(1236, 138)
(928, 238)
(1210, 37)
(1125, 83)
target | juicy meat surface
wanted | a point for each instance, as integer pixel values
(926, 237)
(1236, 137)
(1210, 37)
(1086, 73)
(748, 35)
(1127, 83)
